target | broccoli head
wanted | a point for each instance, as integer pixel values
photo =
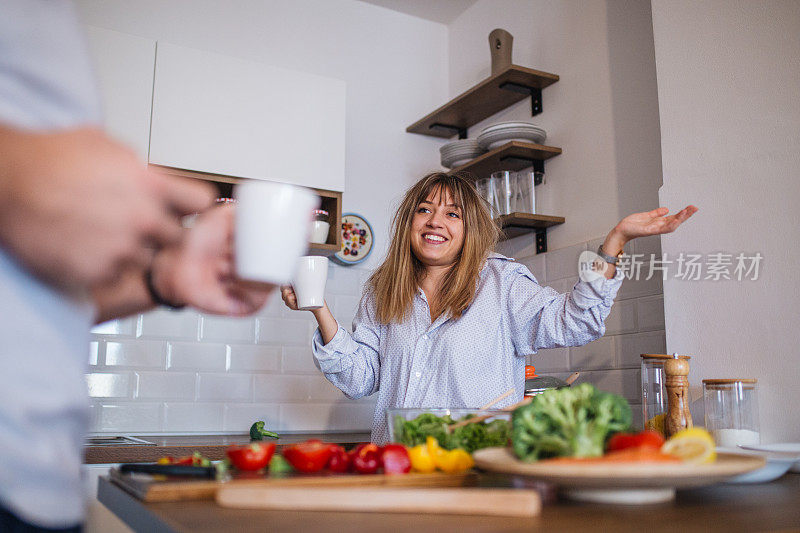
(573, 422)
(257, 432)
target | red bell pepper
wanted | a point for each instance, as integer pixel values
(645, 439)
(309, 456)
(366, 458)
(339, 461)
(253, 456)
(395, 459)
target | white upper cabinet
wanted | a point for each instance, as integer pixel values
(123, 66)
(223, 115)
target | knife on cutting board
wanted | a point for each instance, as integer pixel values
(169, 470)
(460, 501)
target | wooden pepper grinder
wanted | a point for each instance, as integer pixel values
(676, 371)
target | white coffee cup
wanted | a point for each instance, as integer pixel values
(309, 281)
(273, 222)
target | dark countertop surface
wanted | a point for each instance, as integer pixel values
(771, 506)
(211, 446)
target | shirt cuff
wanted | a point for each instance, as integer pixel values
(588, 294)
(328, 357)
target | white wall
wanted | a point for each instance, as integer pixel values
(728, 85)
(182, 372)
(603, 112)
(395, 67)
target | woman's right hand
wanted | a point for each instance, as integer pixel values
(289, 297)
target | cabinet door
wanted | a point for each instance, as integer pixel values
(123, 67)
(223, 115)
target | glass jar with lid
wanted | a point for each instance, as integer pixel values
(731, 407)
(654, 390)
(320, 226)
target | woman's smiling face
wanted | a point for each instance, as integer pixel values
(437, 229)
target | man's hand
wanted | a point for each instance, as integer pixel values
(200, 270)
(76, 208)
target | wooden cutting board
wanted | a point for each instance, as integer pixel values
(158, 488)
(458, 501)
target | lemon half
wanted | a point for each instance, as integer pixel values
(693, 445)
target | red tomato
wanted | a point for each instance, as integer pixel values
(253, 456)
(644, 439)
(309, 456)
(395, 459)
(366, 458)
(339, 461)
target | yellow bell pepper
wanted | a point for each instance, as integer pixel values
(452, 461)
(421, 459)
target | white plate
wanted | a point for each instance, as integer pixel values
(777, 465)
(783, 448)
(456, 162)
(493, 140)
(503, 125)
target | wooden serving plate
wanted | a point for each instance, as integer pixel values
(628, 483)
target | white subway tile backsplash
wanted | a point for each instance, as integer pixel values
(338, 416)
(225, 329)
(193, 417)
(254, 358)
(123, 326)
(109, 385)
(651, 313)
(240, 416)
(630, 347)
(563, 263)
(223, 387)
(346, 308)
(536, 264)
(166, 324)
(274, 305)
(128, 417)
(596, 354)
(195, 356)
(343, 280)
(137, 353)
(94, 353)
(550, 360)
(627, 382)
(647, 246)
(622, 318)
(281, 388)
(166, 385)
(298, 359)
(322, 390)
(283, 331)
(522, 246)
(636, 288)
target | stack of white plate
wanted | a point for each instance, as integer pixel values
(499, 134)
(456, 153)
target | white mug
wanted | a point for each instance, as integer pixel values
(309, 281)
(273, 222)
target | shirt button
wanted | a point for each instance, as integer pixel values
(425, 336)
(418, 374)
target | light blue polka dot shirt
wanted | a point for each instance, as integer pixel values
(465, 362)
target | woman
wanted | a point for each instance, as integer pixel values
(444, 322)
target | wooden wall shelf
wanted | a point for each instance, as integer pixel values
(513, 155)
(330, 201)
(516, 224)
(490, 96)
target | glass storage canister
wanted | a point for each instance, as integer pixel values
(319, 229)
(731, 407)
(654, 390)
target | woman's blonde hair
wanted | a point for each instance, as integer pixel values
(396, 281)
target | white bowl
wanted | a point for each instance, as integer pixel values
(777, 465)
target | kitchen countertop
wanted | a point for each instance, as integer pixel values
(211, 446)
(723, 507)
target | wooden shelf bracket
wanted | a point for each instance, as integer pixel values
(462, 132)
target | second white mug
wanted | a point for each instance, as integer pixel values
(309, 281)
